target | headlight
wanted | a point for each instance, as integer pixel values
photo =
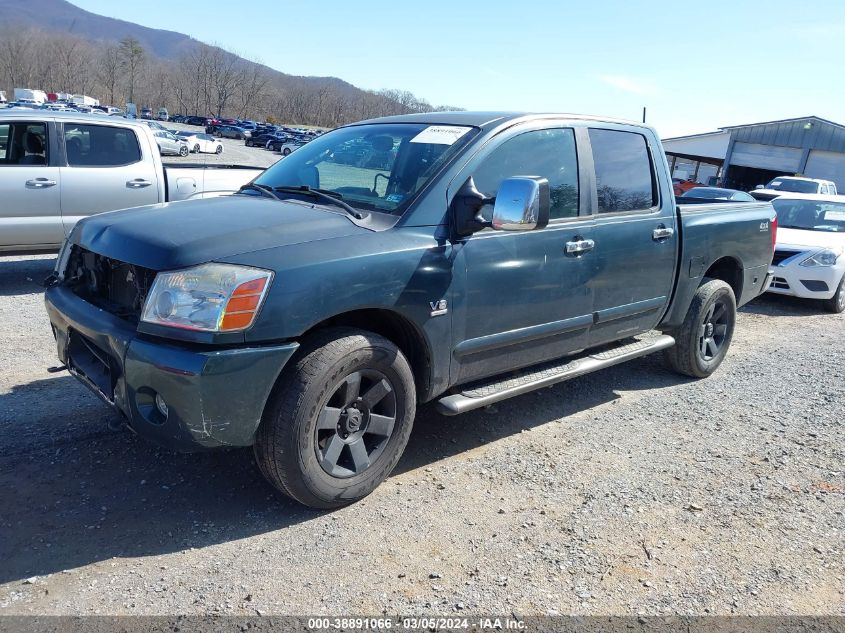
(210, 297)
(822, 258)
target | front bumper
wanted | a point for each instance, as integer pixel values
(214, 396)
(806, 282)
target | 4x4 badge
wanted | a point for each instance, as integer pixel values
(439, 308)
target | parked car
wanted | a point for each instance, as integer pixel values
(311, 331)
(155, 125)
(262, 140)
(146, 113)
(103, 164)
(715, 193)
(228, 131)
(681, 186)
(809, 259)
(200, 121)
(199, 142)
(170, 144)
(163, 115)
(793, 184)
(284, 146)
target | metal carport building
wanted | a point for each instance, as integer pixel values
(744, 156)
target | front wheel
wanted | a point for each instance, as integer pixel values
(836, 303)
(704, 337)
(338, 420)
(196, 148)
(183, 151)
(286, 151)
(219, 149)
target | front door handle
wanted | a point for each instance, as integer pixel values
(662, 233)
(578, 247)
(138, 183)
(40, 183)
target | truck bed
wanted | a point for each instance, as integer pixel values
(200, 180)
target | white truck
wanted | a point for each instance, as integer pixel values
(25, 94)
(57, 168)
(794, 184)
(85, 100)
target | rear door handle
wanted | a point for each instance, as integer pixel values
(40, 183)
(578, 247)
(662, 233)
(138, 183)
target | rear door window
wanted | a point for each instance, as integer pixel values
(624, 174)
(23, 144)
(100, 146)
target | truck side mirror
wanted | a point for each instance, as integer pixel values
(522, 204)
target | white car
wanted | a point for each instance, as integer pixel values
(809, 259)
(202, 142)
(783, 185)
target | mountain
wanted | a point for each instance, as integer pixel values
(63, 17)
(55, 46)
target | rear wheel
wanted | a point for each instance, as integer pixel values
(836, 303)
(219, 149)
(704, 337)
(196, 148)
(183, 151)
(338, 420)
(286, 151)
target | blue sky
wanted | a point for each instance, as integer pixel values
(696, 66)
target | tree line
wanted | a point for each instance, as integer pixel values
(204, 80)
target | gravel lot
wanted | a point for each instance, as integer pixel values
(628, 491)
(234, 152)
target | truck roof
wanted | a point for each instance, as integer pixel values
(486, 120)
(79, 117)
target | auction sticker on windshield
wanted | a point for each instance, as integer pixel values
(440, 134)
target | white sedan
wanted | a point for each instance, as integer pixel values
(809, 259)
(202, 142)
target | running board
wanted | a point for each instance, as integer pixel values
(483, 393)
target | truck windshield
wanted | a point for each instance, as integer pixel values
(795, 186)
(810, 215)
(377, 167)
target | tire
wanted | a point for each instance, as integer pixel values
(219, 149)
(183, 151)
(836, 303)
(286, 151)
(324, 467)
(218, 135)
(704, 337)
(196, 148)
(248, 143)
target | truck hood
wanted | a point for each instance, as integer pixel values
(800, 238)
(179, 234)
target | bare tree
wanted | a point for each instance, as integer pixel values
(132, 57)
(108, 71)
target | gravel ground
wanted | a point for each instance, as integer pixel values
(628, 491)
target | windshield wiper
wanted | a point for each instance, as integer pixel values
(264, 189)
(325, 195)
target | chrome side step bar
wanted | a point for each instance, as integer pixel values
(481, 394)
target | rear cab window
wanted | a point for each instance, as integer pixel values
(625, 179)
(100, 146)
(24, 143)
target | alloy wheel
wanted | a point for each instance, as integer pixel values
(355, 423)
(713, 330)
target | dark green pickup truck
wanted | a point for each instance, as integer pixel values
(461, 258)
